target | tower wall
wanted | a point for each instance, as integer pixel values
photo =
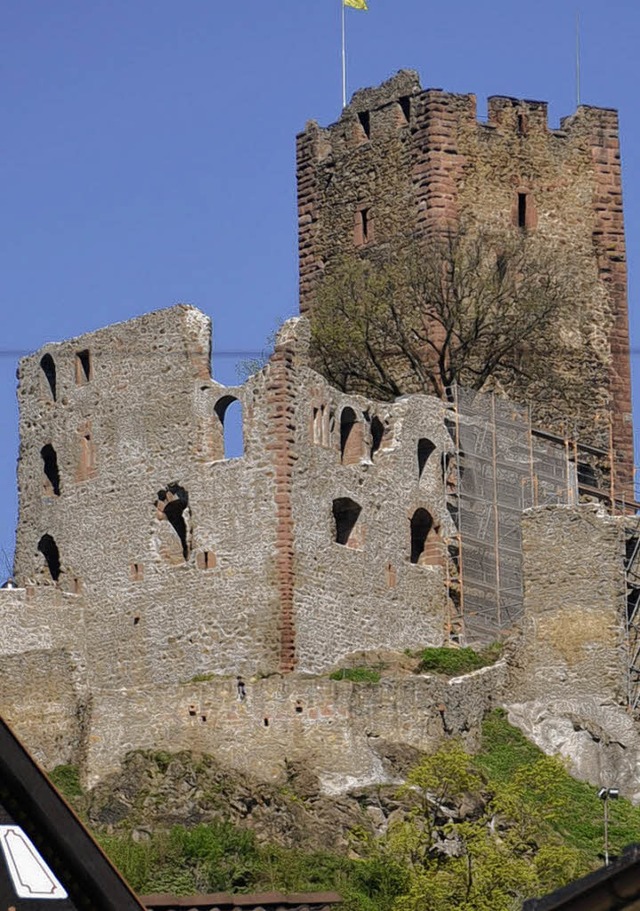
(418, 162)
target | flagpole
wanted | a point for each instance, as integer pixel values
(578, 58)
(344, 60)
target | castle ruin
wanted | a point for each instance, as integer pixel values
(171, 597)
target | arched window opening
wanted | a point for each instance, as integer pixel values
(346, 513)
(171, 503)
(52, 475)
(425, 449)
(49, 369)
(351, 437)
(49, 550)
(377, 434)
(229, 412)
(426, 545)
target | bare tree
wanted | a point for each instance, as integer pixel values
(465, 309)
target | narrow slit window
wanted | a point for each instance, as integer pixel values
(364, 217)
(48, 366)
(522, 210)
(51, 471)
(83, 368)
(377, 435)
(522, 125)
(405, 107)
(363, 229)
(425, 539)
(351, 437)
(365, 122)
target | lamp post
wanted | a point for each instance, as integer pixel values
(605, 795)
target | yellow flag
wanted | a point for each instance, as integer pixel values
(356, 4)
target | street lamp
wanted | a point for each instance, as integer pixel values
(605, 795)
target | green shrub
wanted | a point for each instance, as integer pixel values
(67, 780)
(454, 661)
(357, 674)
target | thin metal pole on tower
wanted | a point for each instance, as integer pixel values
(578, 59)
(344, 59)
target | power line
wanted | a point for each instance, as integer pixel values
(222, 352)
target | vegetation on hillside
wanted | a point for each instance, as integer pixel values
(478, 832)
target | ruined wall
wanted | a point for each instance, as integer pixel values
(191, 563)
(339, 730)
(155, 571)
(141, 422)
(418, 161)
(573, 637)
(356, 596)
(43, 687)
(567, 687)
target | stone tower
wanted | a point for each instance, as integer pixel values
(406, 159)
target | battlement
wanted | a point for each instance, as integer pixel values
(375, 114)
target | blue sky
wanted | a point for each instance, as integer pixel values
(148, 150)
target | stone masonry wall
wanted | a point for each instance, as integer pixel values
(567, 687)
(188, 563)
(573, 637)
(149, 410)
(418, 162)
(345, 595)
(339, 730)
(43, 688)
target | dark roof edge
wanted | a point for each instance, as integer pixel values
(237, 900)
(603, 880)
(56, 830)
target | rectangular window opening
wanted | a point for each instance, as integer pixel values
(522, 210)
(365, 122)
(83, 368)
(405, 107)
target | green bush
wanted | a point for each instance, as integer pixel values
(506, 753)
(357, 674)
(218, 857)
(67, 780)
(454, 661)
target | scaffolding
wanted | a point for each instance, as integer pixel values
(500, 467)
(632, 616)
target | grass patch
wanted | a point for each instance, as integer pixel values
(454, 661)
(66, 779)
(357, 674)
(505, 751)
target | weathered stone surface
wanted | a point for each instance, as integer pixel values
(599, 741)
(568, 671)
